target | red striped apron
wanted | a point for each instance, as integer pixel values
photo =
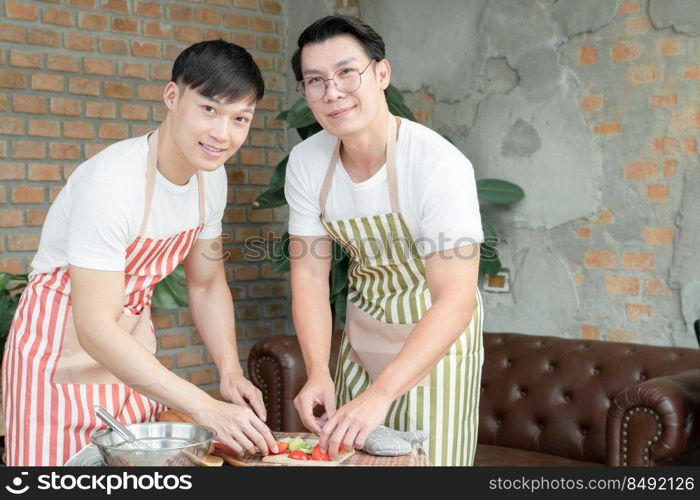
(48, 422)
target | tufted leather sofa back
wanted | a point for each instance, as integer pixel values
(552, 394)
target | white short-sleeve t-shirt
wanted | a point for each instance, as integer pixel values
(435, 181)
(99, 211)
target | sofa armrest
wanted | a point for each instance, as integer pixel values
(655, 420)
(276, 367)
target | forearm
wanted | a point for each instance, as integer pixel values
(431, 338)
(131, 363)
(311, 313)
(211, 308)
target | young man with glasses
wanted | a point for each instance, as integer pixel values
(401, 200)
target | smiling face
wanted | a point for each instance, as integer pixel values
(345, 114)
(206, 131)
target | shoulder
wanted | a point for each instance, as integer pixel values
(122, 163)
(429, 153)
(314, 151)
(214, 176)
(216, 182)
(424, 141)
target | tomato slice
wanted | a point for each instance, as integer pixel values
(317, 455)
(281, 448)
(298, 455)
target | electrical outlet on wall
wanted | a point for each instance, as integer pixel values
(497, 283)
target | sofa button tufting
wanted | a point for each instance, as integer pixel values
(567, 397)
(584, 432)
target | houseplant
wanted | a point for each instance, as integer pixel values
(299, 117)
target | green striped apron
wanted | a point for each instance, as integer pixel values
(387, 296)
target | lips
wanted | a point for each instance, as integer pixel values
(211, 148)
(341, 112)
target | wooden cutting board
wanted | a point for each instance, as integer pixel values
(283, 458)
(417, 457)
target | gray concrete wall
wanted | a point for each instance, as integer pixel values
(592, 107)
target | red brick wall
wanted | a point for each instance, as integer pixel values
(77, 75)
(659, 63)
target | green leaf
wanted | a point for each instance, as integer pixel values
(339, 304)
(393, 94)
(4, 280)
(171, 291)
(270, 199)
(299, 115)
(283, 115)
(498, 191)
(306, 132)
(489, 231)
(274, 195)
(277, 179)
(280, 255)
(8, 306)
(488, 259)
(400, 109)
(448, 139)
(339, 277)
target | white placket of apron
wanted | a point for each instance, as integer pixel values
(375, 344)
(75, 365)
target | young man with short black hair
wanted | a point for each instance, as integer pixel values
(82, 334)
(401, 200)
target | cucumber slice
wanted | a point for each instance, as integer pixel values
(297, 444)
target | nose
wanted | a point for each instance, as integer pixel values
(332, 92)
(219, 129)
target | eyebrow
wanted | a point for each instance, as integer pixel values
(337, 65)
(217, 101)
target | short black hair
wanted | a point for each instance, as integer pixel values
(219, 69)
(330, 26)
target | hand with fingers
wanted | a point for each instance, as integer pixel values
(318, 390)
(241, 391)
(351, 424)
(237, 427)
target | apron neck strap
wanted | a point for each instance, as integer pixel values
(390, 164)
(151, 165)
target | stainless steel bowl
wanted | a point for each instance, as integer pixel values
(170, 444)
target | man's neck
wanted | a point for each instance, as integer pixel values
(171, 162)
(364, 153)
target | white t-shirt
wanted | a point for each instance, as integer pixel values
(99, 211)
(436, 189)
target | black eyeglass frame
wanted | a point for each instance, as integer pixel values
(325, 87)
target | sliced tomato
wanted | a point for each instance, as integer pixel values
(281, 448)
(317, 455)
(298, 455)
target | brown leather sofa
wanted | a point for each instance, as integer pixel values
(547, 401)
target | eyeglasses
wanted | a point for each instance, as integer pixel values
(346, 80)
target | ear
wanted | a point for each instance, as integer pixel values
(383, 72)
(171, 94)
